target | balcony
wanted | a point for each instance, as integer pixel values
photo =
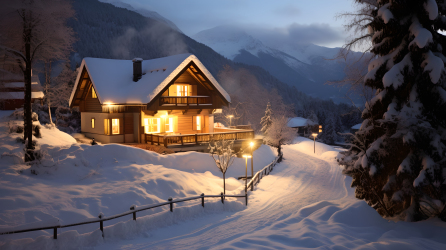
(197, 139)
(185, 101)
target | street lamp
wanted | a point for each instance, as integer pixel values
(251, 145)
(246, 172)
(314, 136)
(230, 120)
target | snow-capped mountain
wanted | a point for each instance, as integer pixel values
(143, 12)
(308, 67)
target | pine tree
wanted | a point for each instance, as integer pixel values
(397, 160)
(266, 120)
(329, 135)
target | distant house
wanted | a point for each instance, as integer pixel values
(355, 128)
(12, 91)
(168, 101)
(302, 125)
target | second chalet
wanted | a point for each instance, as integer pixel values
(168, 101)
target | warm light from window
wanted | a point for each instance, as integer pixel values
(106, 126)
(182, 90)
(92, 122)
(198, 122)
(151, 125)
(115, 126)
(169, 124)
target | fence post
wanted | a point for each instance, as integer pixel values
(246, 198)
(222, 200)
(134, 213)
(252, 183)
(171, 204)
(202, 200)
(55, 233)
(101, 224)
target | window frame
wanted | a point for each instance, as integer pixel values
(117, 126)
(149, 125)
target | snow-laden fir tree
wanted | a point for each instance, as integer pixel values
(398, 158)
(266, 119)
(329, 135)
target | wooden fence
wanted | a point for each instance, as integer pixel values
(261, 173)
(133, 210)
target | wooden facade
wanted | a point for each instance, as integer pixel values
(184, 107)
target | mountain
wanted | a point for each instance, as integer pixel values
(143, 12)
(107, 31)
(305, 66)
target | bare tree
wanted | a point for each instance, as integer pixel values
(279, 133)
(32, 30)
(223, 154)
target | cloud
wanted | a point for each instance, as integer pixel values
(287, 10)
(320, 34)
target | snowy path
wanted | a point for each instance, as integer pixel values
(300, 180)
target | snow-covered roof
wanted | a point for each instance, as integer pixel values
(357, 126)
(20, 95)
(299, 122)
(113, 79)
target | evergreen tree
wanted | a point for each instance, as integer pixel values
(397, 160)
(266, 120)
(329, 135)
(313, 117)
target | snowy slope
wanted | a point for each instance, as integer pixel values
(75, 182)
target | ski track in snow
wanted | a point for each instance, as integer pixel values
(298, 181)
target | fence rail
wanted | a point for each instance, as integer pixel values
(264, 171)
(132, 211)
(195, 139)
(185, 100)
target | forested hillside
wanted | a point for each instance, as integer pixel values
(107, 31)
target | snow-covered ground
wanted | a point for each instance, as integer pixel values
(304, 203)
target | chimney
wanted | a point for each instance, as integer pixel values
(137, 69)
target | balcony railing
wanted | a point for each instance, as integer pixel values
(196, 139)
(185, 101)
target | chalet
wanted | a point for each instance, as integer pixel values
(304, 126)
(12, 91)
(168, 101)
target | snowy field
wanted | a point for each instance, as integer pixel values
(306, 202)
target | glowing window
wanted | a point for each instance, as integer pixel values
(169, 124)
(198, 122)
(93, 93)
(151, 125)
(115, 126)
(106, 126)
(182, 90)
(92, 122)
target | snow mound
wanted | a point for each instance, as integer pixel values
(323, 151)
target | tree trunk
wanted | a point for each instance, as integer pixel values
(224, 184)
(279, 151)
(27, 111)
(48, 70)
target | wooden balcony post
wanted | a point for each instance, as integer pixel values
(196, 139)
(182, 143)
(165, 141)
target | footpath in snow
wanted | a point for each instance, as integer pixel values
(304, 203)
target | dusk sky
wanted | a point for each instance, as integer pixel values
(312, 21)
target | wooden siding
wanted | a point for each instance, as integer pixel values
(92, 104)
(128, 123)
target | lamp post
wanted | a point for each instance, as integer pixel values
(246, 172)
(251, 145)
(314, 136)
(230, 120)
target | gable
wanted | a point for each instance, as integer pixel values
(113, 79)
